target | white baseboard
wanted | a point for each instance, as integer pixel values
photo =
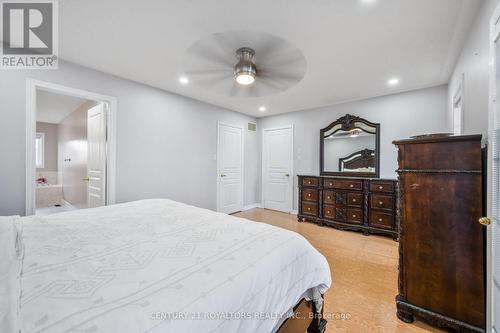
(252, 206)
(294, 212)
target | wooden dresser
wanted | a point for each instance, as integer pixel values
(361, 204)
(442, 244)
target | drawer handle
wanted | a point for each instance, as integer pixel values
(381, 203)
(380, 187)
(328, 197)
(353, 200)
(380, 220)
(309, 183)
(353, 215)
(330, 184)
(309, 208)
(351, 185)
(308, 194)
(328, 211)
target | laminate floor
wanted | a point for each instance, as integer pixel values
(364, 273)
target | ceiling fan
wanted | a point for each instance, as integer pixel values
(244, 64)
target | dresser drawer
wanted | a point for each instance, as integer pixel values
(355, 199)
(354, 216)
(309, 194)
(329, 197)
(329, 212)
(380, 201)
(343, 184)
(381, 220)
(310, 181)
(337, 214)
(310, 208)
(380, 186)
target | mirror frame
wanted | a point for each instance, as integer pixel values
(347, 124)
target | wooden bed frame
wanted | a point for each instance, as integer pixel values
(364, 158)
(305, 319)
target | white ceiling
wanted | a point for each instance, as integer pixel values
(53, 108)
(352, 47)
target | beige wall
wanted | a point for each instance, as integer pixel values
(50, 149)
(72, 134)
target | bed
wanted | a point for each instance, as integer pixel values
(157, 266)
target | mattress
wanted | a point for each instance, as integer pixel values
(155, 266)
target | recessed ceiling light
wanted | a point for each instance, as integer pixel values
(183, 80)
(393, 81)
(262, 109)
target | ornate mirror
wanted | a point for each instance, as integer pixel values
(350, 147)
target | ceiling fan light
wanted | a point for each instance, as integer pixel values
(245, 79)
(245, 69)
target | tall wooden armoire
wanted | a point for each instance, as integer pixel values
(442, 243)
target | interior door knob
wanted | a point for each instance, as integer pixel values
(485, 221)
(86, 179)
(288, 175)
(223, 175)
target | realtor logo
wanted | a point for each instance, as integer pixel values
(29, 34)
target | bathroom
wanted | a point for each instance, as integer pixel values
(61, 152)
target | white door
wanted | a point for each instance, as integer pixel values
(229, 168)
(96, 164)
(277, 159)
(494, 177)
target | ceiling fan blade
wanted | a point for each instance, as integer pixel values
(225, 44)
(195, 72)
(281, 76)
(209, 55)
(283, 60)
(211, 81)
(235, 89)
(272, 84)
(269, 47)
(211, 61)
(259, 89)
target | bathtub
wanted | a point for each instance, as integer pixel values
(48, 195)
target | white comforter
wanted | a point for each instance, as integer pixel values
(161, 266)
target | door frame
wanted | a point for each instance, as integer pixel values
(492, 102)
(217, 178)
(32, 86)
(264, 162)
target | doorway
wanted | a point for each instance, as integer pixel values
(229, 168)
(277, 168)
(70, 149)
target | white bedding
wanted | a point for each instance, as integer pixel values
(10, 269)
(159, 266)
